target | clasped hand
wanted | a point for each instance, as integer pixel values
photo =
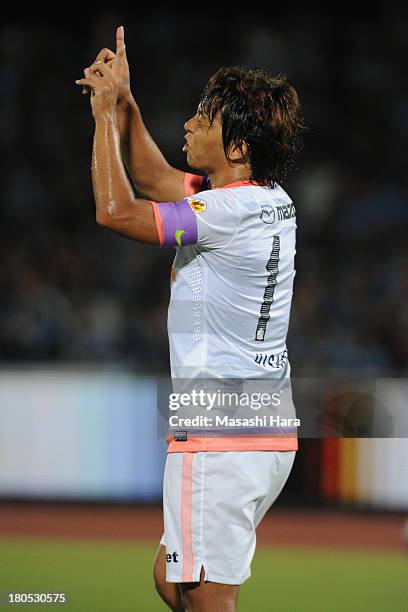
(107, 78)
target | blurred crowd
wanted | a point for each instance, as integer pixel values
(71, 291)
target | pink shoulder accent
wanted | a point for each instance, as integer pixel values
(192, 183)
(159, 221)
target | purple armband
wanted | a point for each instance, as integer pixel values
(176, 223)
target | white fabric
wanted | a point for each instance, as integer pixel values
(220, 285)
(231, 491)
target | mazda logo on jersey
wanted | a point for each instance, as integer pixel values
(267, 214)
(286, 211)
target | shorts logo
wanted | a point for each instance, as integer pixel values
(180, 436)
(267, 214)
(172, 557)
(198, 206)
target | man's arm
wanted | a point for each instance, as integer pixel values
(151, 174)
(116, 206)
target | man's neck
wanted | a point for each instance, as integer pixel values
(226, 176)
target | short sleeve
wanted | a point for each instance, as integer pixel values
(193, 183)
(218, 215)
(208, 219)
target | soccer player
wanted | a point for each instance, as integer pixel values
(232, 282)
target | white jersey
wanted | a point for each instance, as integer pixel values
(232, 281)
(231, 291)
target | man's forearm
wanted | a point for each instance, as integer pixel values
(143, 158)
(112, 190)
(117, 208)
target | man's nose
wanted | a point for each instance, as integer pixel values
(188, 125)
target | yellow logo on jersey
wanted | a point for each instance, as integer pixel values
(198, 206)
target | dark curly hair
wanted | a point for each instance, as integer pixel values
(260, 110)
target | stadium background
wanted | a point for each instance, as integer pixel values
(83, 311)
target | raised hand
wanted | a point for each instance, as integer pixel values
(119, 60)
(104, 86)
(123, 70)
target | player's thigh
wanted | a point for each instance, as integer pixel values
(159, 565)
(169, 591)
(209, 596)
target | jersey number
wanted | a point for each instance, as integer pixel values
(272, 267)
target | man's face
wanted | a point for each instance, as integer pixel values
(204, 146)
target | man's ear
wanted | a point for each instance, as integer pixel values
(239, 155)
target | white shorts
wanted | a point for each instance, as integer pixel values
(212, 503)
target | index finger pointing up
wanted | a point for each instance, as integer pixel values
(120, 40)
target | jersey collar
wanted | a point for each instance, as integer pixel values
(238, 184)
